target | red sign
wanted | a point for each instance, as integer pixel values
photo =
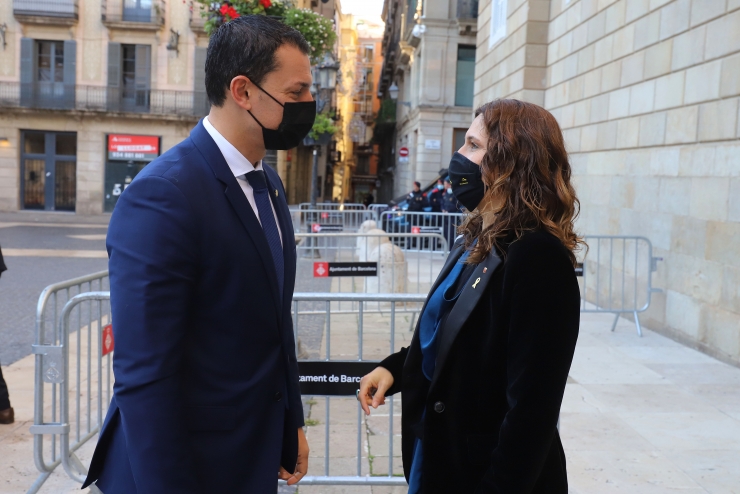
(108, 343)
(324, 216)
(128, 147)
(316, 227)
(415, 229)
(403, 152)
(320, 269)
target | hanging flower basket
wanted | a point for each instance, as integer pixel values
(320, 140)
(317, 29)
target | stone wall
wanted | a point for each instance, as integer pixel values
(646, 92)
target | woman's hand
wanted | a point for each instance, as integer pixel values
(373, 387)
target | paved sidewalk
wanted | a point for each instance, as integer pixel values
(640, 415)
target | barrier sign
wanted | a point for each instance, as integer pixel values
(108, 342)
(579, 269)
(317, 228)
(426, 229)
(324, 269)
(332, 378)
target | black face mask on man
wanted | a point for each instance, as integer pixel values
(467, 181)
(298, 118)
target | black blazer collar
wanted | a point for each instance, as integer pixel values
(234, 193)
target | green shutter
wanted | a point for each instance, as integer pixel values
(70, 72)
(201, 105)
(27, 70)
(114, 76)
(143, 77)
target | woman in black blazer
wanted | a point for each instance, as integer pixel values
(484, 376)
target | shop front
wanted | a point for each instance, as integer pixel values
(127, 156)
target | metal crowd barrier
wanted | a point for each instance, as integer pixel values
(373, 262)
(333, 206)
(84, 379)
(51, 379)
(347, 344)
(378, 208)
(421, 222)
(318, 220)
(616, 276)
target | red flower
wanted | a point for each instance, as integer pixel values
(229, 11)
(266, 3)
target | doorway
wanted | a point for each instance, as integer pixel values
(48, 170)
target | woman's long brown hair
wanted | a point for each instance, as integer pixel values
(527, 177)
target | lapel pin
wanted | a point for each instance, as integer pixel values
(485, 269)
(276, 194)
(476, 282)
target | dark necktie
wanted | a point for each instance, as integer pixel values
(257, 180)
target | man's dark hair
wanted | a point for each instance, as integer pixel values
(418, 184)
(246, 46)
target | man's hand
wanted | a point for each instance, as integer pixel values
(373, 387)
(302, 466)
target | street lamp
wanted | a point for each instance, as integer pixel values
(393, 93)
(328, 72)
(324, 83)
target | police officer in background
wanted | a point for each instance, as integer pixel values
(416, 199)
(448, 202)
(435, 197)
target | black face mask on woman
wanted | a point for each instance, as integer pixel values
(467, 181)
(297, 121)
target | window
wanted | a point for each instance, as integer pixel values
(137, 10)
(129, 77)
(498, 21)
(128, 71)
(369, 53)
(458, 139)
(465, 76)
(50, 61)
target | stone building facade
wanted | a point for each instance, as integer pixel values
(75, 76)
(646, 92)
(429, 50)
(93, 90)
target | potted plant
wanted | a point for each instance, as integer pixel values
(317, 29)
(322, 130)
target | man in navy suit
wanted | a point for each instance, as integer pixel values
(202, 270)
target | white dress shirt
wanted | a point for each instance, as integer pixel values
(240, 166)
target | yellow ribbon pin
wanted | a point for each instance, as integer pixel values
(476, 282)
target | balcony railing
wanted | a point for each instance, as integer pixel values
(46, 11)
(56, 96)
(133, 14)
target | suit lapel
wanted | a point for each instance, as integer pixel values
(286, 228)
(469, 298)
(234, 193)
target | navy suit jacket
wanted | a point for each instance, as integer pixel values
(206, 397)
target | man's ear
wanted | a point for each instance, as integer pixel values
(240, 89)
